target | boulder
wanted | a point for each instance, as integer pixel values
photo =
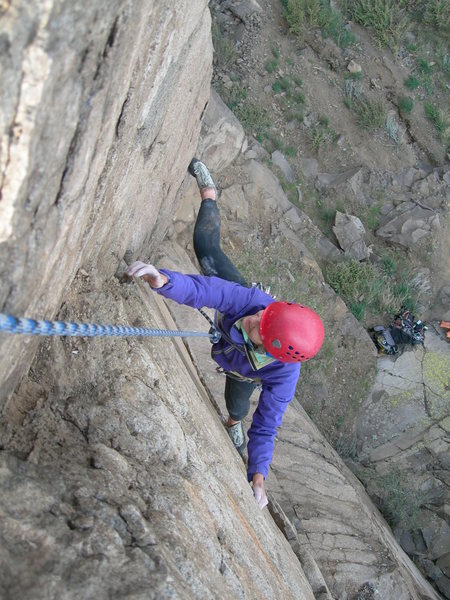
(350, 233)
(333, 180)
(354, 67)
(222, 135)
(409, 224)
(244, 9)
(263, 185)
(233, 198)
(309, 167)
(280, 161)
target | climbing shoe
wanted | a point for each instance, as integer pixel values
(200, 171)
(237, 436)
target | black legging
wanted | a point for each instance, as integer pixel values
(214, 261)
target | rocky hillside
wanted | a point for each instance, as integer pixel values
(119, 479)
(341, 114)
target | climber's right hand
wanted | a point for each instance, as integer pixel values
(258, 490)
(148, 273)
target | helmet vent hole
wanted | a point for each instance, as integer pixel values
(291, 348)
(302, 356)
(276, 343)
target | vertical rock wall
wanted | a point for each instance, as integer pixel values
(100, 105)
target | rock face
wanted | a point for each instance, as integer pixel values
(121, 481)
(92, 152)
(403, 432)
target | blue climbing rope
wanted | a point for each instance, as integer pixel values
(12, 324)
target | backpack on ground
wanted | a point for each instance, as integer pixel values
(403, 330)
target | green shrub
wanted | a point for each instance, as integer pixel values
(373, 216)
(405, 104)
(394, 129)
(232, 96)
(303, 13)
(412, 82)
(388, 264)
(435, 116)
(439, 120)
(350, 279)
(386, 17)
(285, 85)
(358, 310)
(299, 98)
(366, 287)
(277, 144)
(294, 115)
(334, 28)
(224, 51)
(253, 118)
(309, 14)
(271, 66)
(371, 113)
(398, 500)
(357, 75)
(317, 139)
(327, 214)
(276, 87)
(352, 92)
(346, 446)
(423, 66)
(437, 14)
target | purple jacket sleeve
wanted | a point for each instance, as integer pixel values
(198, 291)
(268, 415)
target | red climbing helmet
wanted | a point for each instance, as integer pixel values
(291, 332)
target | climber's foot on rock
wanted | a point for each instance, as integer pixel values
(205, 182)
(237, 436)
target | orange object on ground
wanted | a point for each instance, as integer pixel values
(445, 324)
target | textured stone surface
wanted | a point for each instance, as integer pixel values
(222, 137)
(402, 436)
(409, 224)
(96, 86)
(350, 233)
(282, 163)
(121, 482)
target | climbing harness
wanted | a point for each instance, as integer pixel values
(11, 324)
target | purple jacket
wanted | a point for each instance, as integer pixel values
(278, 379)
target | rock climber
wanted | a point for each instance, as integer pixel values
(263, 342)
